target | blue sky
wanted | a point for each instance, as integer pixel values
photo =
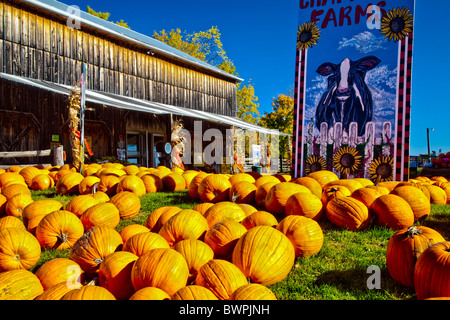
(260, 38)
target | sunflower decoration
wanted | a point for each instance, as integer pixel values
(315, 163)
(307, 35)
(347, 160)
(397, 23)
(381, 169)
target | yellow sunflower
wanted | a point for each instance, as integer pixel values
(307, 35)
(381, 169)
(347, 160)
(315, 163)
(397, 23)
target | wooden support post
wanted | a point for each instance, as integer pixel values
(58, 155)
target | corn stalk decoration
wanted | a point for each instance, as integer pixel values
(74, 121)
(178, 140)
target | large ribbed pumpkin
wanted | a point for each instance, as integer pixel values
(162, 268)
(19, 285)
(350, 184)
(142, 242)
(262, 191)
(437, 194)
(35, 211)
(311, 184)
(60, 270)
(95, 244)
(431, 273)
(195, 252)
(223, 236)
(392, 211)
(221, 277)
(19, 249)
(150, 293)
(86, 186)
(173, 182)
(417, 200)
(57, 291)
(3, 201)
(186, 224)
(264, 179)
(241, 177)
(11, 222)
(41, 182)
(28, 173)
(101, 214)
(89, 292)
(202, 207)
(133, 184)
(80, 204)
(277, 196)
(405, 247)
(366, 195)
(108, 184)
(267, 242)
(214, 188)
(222, 211)
(152, 183)
(131, 230)
(323, 176)
(242, 192)
(304, 233)
(195, 183)
(347, 212)
(16, 205)
(7, 177)
(332, 192)
(128, 204)
(14, 189)
(114, 274)
(68, 183)
(253, 291)
(194, 292)
(304, 204)
(59, 230)
(153, 222)
(259, 218)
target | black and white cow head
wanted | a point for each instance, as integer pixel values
(347, 98)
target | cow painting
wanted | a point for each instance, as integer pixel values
(347, 98)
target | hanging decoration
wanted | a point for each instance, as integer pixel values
(178, 140)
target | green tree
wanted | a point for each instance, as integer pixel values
(281, 118)
(105, 16)
(207, 46)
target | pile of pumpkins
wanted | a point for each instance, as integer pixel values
(242, 237)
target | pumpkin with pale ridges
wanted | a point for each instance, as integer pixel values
(195, 252)
(93, 246)
(268, 242)
(277, 196)
(242, 192)
(11, 222)
(150, 293)
(133, 184)
(89, 292)
(332, 192)
(19, 249)
(392, 211)
(142, 242)
(108, 184)
(366, 195)
(202, 207)
(59, 230)
(253, 291)
(41, 182)
(132, 229)
(347, 212)
(16, 205)
(162, 268)
(14, 189)
(152, 183)
(195, 183)
(311, 184)
(173, 182)
(431, 272)
(323, 176)
(350, 184)
(259, 218)
(223, 236)
(101, 214)
(28, 173)
(262, 191)
(225, 210)
(19, 285)
(60, 270)
(80, 204)
(305, 234)
(35, 211)
(114, 274)
(68, 184)
(128, 204)
(214, 188)
(404, 248)
(417, 200)
(221, 277)
(304, 204)
(437, 195)
(194, 292)
(57, 291)
(86, 185)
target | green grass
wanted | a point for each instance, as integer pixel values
(337, 272)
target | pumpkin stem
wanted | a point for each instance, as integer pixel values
(62, 238)
(412, 231)
(234, 197)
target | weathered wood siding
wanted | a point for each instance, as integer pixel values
(39, 45)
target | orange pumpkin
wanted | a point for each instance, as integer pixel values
(101, 214)
(195, 183)
(80, 204)
(267, 242)
(132, 229)
(28, 173)
(323, 176)
(193, 292)
(19, 285)
(57, 291)
(150, 293)
(241, 177)
(196, 253)
(152, 183)
(68, 183)
(253, 291)
(19, 249)
(6, 177)
(277, 196)
(225, 210)
(417, 200)
(214, 188)
(262, 191)
(202, 207)
(437, 195)
(186, 224)
(393, 212)
(304, 204)
(350, 184)
(222, 237)
(3, 201)
(305, 234)
(259, 218)
(11, 222)
(128, 204)
(15, 188)
(108, 184)
(41, 182)
(60, 270)
(86, 185)
(365, 195)
(100, 196)
(114, 274)
(133, 184)
(89, 292)
(35, 211)
(311, 184)
(347, 212)
(264, 179)
(140, 243)
(221, 277)
(334, 192)
(153, 222)
(16, 205)
(93, 246)
(174, 182)
(242, 192)
(162, 268)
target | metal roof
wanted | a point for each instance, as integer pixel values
(135, 104)
(155, 45)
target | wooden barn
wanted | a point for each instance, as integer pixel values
(135, 85)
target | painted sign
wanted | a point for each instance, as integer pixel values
(353, 88)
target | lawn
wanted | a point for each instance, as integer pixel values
(339, 271)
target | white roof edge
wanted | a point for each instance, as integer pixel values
(127, 34)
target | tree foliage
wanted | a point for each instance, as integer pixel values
(105, 16)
